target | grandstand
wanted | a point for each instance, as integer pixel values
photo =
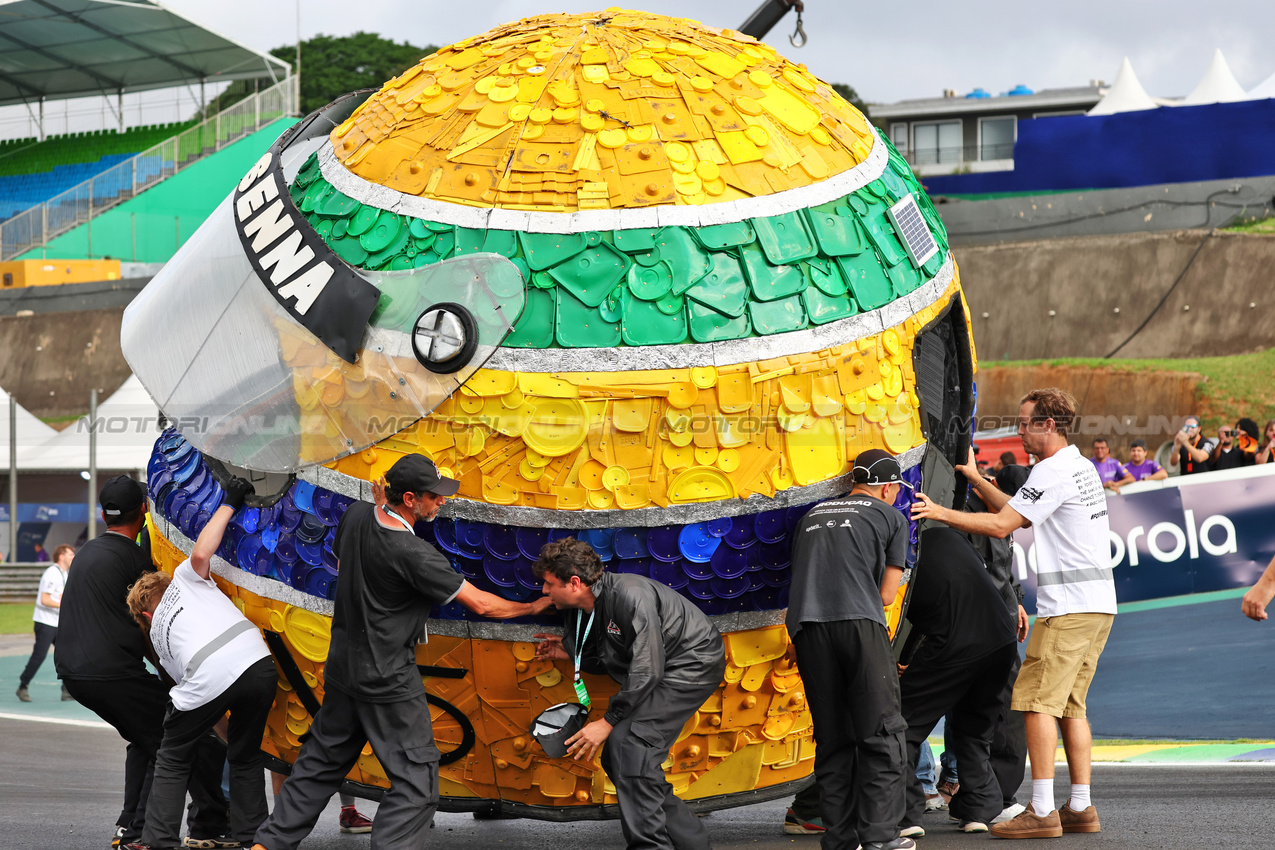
(59, 50)
(32, 171)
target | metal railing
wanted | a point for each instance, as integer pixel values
(957, 155)
(36, 225)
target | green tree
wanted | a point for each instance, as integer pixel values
(334, 65)
(847, 92)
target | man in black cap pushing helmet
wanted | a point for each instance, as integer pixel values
(847, 557)
(388, 579)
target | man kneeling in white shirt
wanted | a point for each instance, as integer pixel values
(220, 663)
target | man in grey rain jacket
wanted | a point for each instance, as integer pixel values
(668, 659)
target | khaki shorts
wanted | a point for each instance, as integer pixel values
(1061, 657)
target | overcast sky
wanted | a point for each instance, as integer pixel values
(887, 50)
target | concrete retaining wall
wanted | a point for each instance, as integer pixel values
(1117, 404)
(1101, 288)
(50, 361)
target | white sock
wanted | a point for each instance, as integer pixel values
(1043, 796)
(1079, 798)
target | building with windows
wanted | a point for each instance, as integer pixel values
(973, 132)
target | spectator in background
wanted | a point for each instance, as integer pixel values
(41, 555)
(1191, 449)
(1006, 459)
(1266, 451)
(47, 607)
(1142, 467)
(1236, 446)
(1110, 470)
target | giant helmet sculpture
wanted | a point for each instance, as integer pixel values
(628, 278)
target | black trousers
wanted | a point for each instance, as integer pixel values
(852, 686)
(135, 707)
(1009, 742)
(45, 637)
(402, 739)
(970, 695)
(652, 817)
(135, 767)
(248, 701)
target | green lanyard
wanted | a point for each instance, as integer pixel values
(582, 693)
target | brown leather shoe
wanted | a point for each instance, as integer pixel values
(1074, 821)
(1030, 825)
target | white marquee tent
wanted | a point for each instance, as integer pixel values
(1125, 95)
(1263, 90)
(1218, 85)
(31, 432)
(127, 432)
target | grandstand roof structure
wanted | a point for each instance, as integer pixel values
(57, 49)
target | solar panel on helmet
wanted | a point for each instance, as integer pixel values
(913, 231)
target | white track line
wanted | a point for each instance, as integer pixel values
(63, 721)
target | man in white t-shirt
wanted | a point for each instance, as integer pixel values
(220, 663)
(1064, 501)
(48, 603)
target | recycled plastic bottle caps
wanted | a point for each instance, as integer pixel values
(633, 566)
(662, 541)
(697, 543)
(670, 574)
(310, 553)
(630, 543)
(729, 588)
(530, 541)
(500, 572)
(445, 536)
(525, 576)
(501, 541)
(303, 496)
(286, 549)
(701, 570)
(728, 563)
(246, 552)
(309, 530)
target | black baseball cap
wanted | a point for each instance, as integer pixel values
(1011, 478)
(876, 467)
(418, 474)
(121, 495)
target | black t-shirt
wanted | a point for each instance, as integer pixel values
(839, 554)
(97, 637)
(1234, 458)
(387, 581)
(955, 603)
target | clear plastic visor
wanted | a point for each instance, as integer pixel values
(245, 383)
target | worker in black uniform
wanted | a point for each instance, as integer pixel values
(1009, 738)
(847, 558)
(955, 664)
(99, 660)
(668, 658)
(388, 579)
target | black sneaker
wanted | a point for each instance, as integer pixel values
(117, 837)
(897, 844)
(23, 694)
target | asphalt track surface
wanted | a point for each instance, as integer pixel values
(61, 787)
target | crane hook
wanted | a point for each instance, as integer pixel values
(798, 38)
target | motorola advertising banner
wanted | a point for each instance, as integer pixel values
(1190, 534)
